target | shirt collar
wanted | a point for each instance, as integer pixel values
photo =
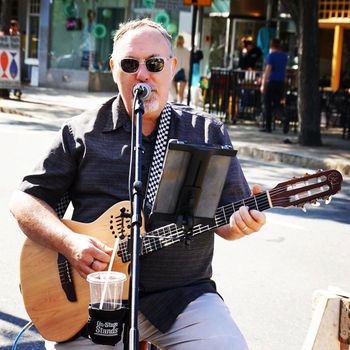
(118, 116)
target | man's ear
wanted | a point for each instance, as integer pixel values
(112, 66)
(173, 66)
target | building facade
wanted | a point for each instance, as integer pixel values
(67, 43)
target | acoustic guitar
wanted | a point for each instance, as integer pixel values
(56, 297)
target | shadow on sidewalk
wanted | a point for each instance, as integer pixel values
(30, 340)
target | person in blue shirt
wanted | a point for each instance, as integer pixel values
(272, 84)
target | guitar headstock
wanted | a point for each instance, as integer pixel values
(306, 189)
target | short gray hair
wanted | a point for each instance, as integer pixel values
(139, 23)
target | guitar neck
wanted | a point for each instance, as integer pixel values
(170, 234)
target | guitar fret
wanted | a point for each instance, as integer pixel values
(171, 234)
(223, 210)
(256, 203)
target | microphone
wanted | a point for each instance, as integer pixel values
(142, 90)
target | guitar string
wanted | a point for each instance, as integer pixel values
(161, 240)
(177, 232)
(256, 198)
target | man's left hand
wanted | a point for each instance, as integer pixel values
(244, 221)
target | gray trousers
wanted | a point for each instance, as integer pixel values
(205, 324)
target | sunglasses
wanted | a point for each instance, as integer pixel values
(153, 64)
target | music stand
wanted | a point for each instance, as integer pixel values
(191, 183)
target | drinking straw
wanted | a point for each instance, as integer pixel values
(116, 245)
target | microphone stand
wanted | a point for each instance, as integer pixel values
(136, 223)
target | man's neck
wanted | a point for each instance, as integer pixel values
(149, 124)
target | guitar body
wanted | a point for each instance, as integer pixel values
(55, 317)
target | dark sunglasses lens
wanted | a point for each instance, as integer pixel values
(129, 65)
(155, 64)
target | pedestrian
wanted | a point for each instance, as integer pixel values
(14, 27)
(179, 307)
(250, 55)
(272, 85)
(183, 67)
(15, 30)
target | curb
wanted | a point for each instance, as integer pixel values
(13, 111)
(294, 159)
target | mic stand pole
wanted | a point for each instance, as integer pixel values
(136, 223)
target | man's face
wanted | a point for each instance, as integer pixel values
(141, 44)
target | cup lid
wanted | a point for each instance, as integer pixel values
(103, 276)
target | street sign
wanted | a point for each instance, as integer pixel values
(198, 2)
(10, 62)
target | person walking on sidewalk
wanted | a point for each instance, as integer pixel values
(272, 84)
(179, 307)
(183, 67)
(250, 56)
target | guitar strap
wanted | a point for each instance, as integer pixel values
(62, 205)
(158, 159)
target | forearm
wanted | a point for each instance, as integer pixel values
(39, 221)
(41, 224)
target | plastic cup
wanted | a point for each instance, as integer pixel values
(106, 289)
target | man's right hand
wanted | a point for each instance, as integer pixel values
(86, 254)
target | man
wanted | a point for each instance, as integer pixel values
(90, 158)
(15, 30)
(250, 55)
(14, 27)
(272, 84)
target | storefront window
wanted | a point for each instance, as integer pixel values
(82, 33)
(165, 12)
(32, 40)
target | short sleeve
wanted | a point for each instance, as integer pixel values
(52, 177)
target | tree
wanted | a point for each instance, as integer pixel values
(305, 15)
(5, 13)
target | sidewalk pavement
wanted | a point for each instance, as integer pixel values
(52, 106)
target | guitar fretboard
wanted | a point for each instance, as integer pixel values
(170, 234)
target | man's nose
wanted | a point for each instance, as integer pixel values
(142, 73)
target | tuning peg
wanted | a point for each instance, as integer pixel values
(315, 203)
(328, 199)
(319, 170)
(306, 174)
(302, 207)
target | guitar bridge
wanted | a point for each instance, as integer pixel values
(64, 271)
